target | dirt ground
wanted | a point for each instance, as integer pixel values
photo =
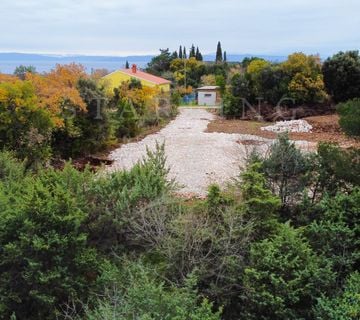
(325, 129)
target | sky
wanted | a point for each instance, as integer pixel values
(118, 27)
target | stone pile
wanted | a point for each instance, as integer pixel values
(289, 126)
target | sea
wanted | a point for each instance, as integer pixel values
(42, 63)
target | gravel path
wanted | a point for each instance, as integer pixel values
(195, 158)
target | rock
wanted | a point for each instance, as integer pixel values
(289, 126)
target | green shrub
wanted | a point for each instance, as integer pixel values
(217, 201)
(286, 170)
(350, 117)
(232, 106)
(45, 259)
(213, 246)
(284, 277)
(342, 75)
(135, 292)
(258, 203)
(336, 232)
(346, 306)
(11, 170)
(117, 198)
(127, 119)
(336, 169)
(176, 98)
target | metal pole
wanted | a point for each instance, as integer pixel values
(185, 72)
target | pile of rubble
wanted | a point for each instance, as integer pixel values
(289, 126)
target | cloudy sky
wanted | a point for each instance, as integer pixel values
(143, 26)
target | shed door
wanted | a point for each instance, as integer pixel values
(207, 98)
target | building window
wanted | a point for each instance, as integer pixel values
(208, 95)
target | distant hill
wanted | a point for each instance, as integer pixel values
(45, 62)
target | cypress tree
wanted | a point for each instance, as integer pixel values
(225, 57)
(192, 52)
(127, 66)
(219, 55)
(184, 53)
(180, 52)
(198, 54)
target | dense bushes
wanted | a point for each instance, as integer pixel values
(299, 78)
(65, 113)
(45, 259)
(342, 75)
(135, 292)
(350, 117)
(344, 306)
(284, 277)
(24, 127)
(51, 227)
(75, 245)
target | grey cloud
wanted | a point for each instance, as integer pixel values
(117, 26)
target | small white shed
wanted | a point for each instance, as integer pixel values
(208, 96)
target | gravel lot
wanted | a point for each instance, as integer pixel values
(195, 158)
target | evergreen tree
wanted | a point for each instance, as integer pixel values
(198, 55)
(127, 66)
(22, 70)
(184, 53)
(219, 55)
(174, 55)
(160, 63)
(225, 57)
(180, 52)
(284, 278)
(192, 52)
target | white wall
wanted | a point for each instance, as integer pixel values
(207, 98)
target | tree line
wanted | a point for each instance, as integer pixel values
(301, 80)
(67, 113)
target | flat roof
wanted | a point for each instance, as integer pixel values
(208, 88)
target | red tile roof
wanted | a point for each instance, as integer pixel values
(145, 76)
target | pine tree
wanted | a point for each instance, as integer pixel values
(127, 66)
(180, 52)
(219, 55)
(225, 57)
(184, 53)
(174, 55)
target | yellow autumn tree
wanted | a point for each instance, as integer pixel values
(25, 128)
(179, 66)
(57, 90)
(299, 62)
(256, 66)
(306, 80)
(142, 97)
(7, 78)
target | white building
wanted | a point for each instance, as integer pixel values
(208, 96)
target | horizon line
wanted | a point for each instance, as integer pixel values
(128, 54)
